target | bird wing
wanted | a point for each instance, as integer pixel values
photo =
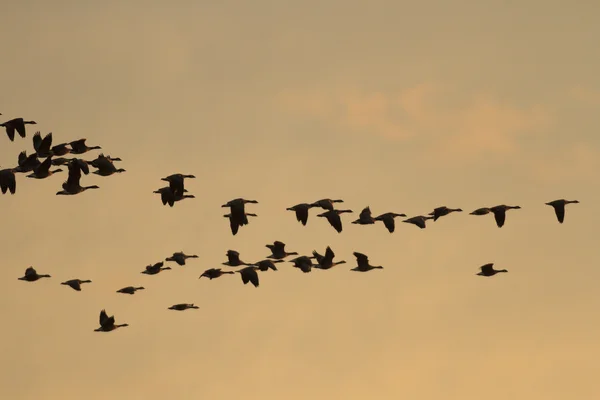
(559, 210)
(487, 268)
(365, 213)
(302, 215)
(44, 145)
(30, 271)
(335, 221)
(78, 144)
(361, 259)
(500, 217)
(233, 224)
(44, 167)
(389, 224)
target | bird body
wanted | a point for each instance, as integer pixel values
(130, 289)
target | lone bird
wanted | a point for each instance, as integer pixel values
(326, 261)
(214, 273)
(233, 259)
(442, 211)
(365, 217)
(278, 250)
(75, 284)
(249, 274)
(155, 269)
(333, 216)
(180, 257)
(183, 306)
(31, 275)
(419, 221)
(301, 211)
(559, 208)
(363, 263)
(107, 323)
(17, 124)
(130, 289)
(488, 270)
(388, 220)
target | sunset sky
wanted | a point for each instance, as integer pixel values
(402, 106)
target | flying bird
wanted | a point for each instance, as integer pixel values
(488, 270)
(559, 208)
(17, 124)
(388, 220)
(107, 323)
(333, 216)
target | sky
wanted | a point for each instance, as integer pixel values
(400, 106)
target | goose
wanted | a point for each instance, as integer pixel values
(180, 257)
(31, 275)
(388, 220)
(481, 211)
(238, 209)
(183, 306)
(303, 263)
(267, 264)
(94, 162)
(301, 211)
(105, 167)
(235, 223)
(278, 250)
(79, 147)
(167, 196)
(333, 216)
(60, 149)
(249, 274)
(443, 211)
(17, 124)
(176, 182)
(488, 270)
(214, 273)
(500, 213)
(107, 323)
(363, 263)
(8, 181)
(326, 261)
(72, 185)
(26, 162)
(155, 269)
(43, 171)
(130, 289)
(75, 284)
(233, 259)
(326, 204)
(419, 221)
(559, 208)
(61, 161)
(365, 217)
(43, 147)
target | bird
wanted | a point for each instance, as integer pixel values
(481, 211)
(79, 147)
(167, 196)
(8, 181)
(42, 146)
(326, 204)
(442, 211)
(362, 262)
(214, 273)
(488, 270)
(94, 162)
(278, 250)
(43, 171)
(249, 274)
(155, 269)
(180, 257)
(559, 207)
(61, 161)
(333, 216)
(233, 259)
(183, 306)
(72, 185)
(388, 220)
(267, 264)
(500, 213)
(365, 217)
(17, 124)
(75, 284)
(419, 221)
(105, 167)
(235, 223)
(326, 261)
(301, 211)
(238, 209)
(31, 275)
(176, 182)
(130, 289)
(26, 162)
(107, 323)
(303, 263)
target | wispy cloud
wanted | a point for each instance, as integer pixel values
(448, 122)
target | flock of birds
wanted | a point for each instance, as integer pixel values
(238, 217)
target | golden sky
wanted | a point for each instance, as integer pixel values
(403, 106)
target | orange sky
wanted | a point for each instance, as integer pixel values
(399, 105)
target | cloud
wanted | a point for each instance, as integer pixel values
(450, 123)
